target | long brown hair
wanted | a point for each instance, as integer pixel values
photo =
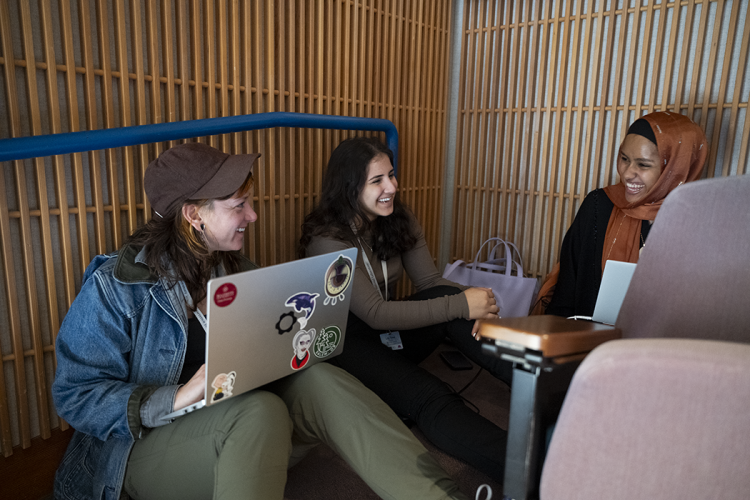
(176, 251)
(339, 206)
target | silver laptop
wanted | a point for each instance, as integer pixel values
(271, 322)
(615, 283)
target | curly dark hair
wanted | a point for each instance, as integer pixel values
(175, 250)
(339, 206)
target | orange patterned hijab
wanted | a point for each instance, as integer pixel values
(683, 150)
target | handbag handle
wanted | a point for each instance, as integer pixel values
(509, 261)
(519, 262)
(492, 252)
(491, 261)
(450, 268)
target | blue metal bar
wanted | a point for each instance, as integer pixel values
(76, 142)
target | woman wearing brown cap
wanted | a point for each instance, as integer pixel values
(131, 350)
(661, 151)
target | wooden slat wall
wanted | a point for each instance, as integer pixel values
(548, 89)
(71, 65)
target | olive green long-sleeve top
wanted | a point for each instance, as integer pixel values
(367, 303)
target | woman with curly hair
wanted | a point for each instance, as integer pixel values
(386, 339)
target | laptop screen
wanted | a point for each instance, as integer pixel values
(615, 282)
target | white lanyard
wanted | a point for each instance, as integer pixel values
(391, 338)
(369, 267)
(198, 314)
(202, 319)
(372, 274)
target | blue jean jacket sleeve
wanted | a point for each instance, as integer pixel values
(120, 350)
(91, 388)
(158, 404)
(116, 342)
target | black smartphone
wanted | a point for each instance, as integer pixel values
(456, 360)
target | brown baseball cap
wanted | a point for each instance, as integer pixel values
(194, 171)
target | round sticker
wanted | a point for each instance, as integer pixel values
(327, 341)
(337, 279)
(225, 295)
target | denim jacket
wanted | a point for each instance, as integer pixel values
(120, 351)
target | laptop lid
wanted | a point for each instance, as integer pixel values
(271, 322)
(615, 282)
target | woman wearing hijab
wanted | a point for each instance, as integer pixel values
(661, 151)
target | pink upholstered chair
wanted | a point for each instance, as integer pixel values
(654, 418)
(661, 413)
(693, 277)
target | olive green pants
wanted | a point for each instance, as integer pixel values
(243, 447)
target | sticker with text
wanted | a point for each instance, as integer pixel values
(225, 295)
(327, 341)
(392, 340)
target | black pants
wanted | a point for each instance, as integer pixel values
(416, 394)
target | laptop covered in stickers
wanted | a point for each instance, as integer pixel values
(271, 322)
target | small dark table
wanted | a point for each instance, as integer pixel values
(545, 352)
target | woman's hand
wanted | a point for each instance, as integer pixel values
(475, 330)
(192, 392)
(481, 303)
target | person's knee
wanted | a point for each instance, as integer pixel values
(435, 400)
(260, 410)
(328, 387)
(421, 396)
(323, 376)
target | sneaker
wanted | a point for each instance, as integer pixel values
(484, 487)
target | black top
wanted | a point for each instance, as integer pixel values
(195, 352)
(581, 258)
